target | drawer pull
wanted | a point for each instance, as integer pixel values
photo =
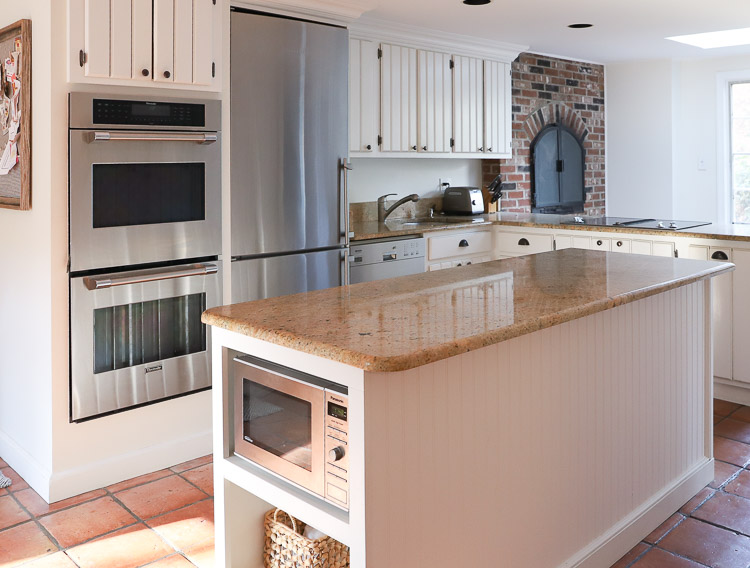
(463, 243)
(619, 243)
(524, 242)
(720, 255)
(599, 243)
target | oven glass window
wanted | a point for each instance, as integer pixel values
(278, 423)
(147, 194)
(134, 334)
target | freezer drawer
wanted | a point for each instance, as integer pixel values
(259, 278)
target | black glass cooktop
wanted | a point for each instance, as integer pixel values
(658, 224)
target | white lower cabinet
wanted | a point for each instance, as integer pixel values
(520, 243)
(458, 248)
(741, 316)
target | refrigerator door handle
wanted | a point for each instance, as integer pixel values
(346, 167)
(344, 270)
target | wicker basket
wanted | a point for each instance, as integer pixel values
(286, 547)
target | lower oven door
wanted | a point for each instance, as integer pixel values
(279, 424)
(137, 336)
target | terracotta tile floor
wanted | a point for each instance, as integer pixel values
(162, 519)
(713, 528)
(165, 519)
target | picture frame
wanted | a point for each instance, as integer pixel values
(15, 116)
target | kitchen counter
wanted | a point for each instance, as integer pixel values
(601, 361)
(364, 230)
(398, 324)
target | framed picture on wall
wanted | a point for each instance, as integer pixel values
(15, 116)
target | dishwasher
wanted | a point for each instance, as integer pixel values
(386, 258)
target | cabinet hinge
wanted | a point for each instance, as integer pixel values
(380, 140)
(453, 142)
(676, 253)
(214, 2)
(81, 58)
(451, 64)
(213, 69)
(380, 53)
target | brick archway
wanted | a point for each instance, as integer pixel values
(555, 113)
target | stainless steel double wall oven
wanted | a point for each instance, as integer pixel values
(145, 237)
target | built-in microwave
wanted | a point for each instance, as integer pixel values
(294, 425)
(145, 180)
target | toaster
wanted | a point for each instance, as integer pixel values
(463, 201)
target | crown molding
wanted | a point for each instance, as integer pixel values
(425, 38)
(340, 12)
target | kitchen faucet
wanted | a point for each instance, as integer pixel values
(383, 212)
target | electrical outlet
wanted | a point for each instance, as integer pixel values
(442, 182)
(701, 164)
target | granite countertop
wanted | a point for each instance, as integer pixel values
(364, 230)
(406, 322)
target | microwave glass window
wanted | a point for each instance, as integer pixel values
(148, 194)
(278, 423)
(143, 332)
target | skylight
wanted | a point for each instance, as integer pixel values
(710, 40)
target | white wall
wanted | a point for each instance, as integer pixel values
(662, 120)
(28, 345)
(640, 104)
(373, 177)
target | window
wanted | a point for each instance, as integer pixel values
(739, 97)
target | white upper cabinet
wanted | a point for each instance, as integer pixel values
(497, 108)
(398, 105)
(169, 42)
(364, 96)
(435, 102)
(468, 107)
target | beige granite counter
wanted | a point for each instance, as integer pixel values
(406, 322)
(364, 229)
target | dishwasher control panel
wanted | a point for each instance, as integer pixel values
(386, 251)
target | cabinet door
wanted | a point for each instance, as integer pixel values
(164, 19)
(398, 109)
(97, 40)
(363, 95)
(661, 248)
(183, 41)
(621, 245)
(639, 246)
(497, 108)
(142, 39)
(202, 53)
(721, 287)
(121, 39)
(435, 102)
(741, 316)
(468, 105)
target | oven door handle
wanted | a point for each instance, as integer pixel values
(139, 277)
(155, 137)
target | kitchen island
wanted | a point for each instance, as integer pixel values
(564, 396)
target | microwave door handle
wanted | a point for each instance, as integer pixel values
(109, 281)
(100, 136)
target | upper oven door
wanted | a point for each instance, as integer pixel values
(142, 196)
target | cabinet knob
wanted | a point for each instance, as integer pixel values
(413, 147)
(336, 453)
(145, 72)
(599, 243)
(463, 243)
(619, 243)
(369, 146)
(167, 74)
(720, 255)
(524, 242)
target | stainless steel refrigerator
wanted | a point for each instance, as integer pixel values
(289, 81)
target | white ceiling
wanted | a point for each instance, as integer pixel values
(623, 29)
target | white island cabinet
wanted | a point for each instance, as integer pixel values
(568, 391)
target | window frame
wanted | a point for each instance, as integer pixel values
(725, 193)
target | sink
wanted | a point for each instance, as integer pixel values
(433, 221)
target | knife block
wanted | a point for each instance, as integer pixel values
(489, 207)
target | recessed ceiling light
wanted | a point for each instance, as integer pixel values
(580, 26)
(476, 2)
(710, 40)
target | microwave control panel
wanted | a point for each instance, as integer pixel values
(337, 449)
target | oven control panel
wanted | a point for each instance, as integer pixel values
(337, 449)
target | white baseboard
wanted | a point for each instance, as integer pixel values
(25, 465)
(619, 539)
(64, 484)
(725, 390)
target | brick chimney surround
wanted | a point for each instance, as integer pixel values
(547, 90)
